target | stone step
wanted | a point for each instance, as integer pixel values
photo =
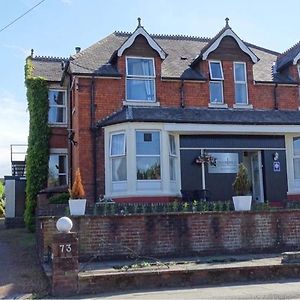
(290, 257)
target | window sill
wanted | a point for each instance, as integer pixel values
(58, 125)
(141, 103)
(243, 106)
(217, 105)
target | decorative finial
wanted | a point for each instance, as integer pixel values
(31, 53)
(139, 22)
(227, 22)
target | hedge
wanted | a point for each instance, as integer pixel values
(38, 139)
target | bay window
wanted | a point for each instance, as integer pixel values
(148, 155)
(172, 157)
(240, 83)
(140, 79)
(118, 157)
(296, 157)
(216, 82)
(57, 107)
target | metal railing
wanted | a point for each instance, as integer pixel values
(18, 159)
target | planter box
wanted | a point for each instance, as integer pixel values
(242, 203)
(77, 207)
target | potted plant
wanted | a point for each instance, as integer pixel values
(241, 186)
(77, 202)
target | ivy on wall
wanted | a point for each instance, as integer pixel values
(38, 150)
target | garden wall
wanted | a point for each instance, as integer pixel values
(179, 234)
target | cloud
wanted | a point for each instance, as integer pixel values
(13, 127)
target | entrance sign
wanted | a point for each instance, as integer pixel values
(276, 166)
(225, 163)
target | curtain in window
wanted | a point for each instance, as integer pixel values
(147, 83)
(117, 147)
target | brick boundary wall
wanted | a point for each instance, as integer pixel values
(178, 234)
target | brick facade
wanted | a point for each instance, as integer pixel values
(179, 234)
(94, 97)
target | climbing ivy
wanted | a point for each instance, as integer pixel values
(38, 150)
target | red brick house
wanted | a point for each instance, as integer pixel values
(134, 110)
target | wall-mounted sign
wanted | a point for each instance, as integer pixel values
(225, 163)
(276, 166)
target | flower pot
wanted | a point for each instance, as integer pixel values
(242, 202)
(77, 207)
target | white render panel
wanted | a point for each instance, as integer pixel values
(10, 196)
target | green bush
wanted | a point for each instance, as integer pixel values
(59, 198)
(2, 208)
(113, 208)
(38, 150)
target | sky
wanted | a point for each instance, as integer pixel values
(56, 27)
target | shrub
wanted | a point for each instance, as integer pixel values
(2, 208)
(59, 198)
(241, 185)
(77, 191)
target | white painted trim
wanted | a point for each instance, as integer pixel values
(58, 151)
(124, 145)
(243, 106)
(243, 47)
(222, 90)
(297, 57)
(141, 77)
(241, 82)
(65, 106)
(62, 152)
(140, 103)
(221, 68)
(227, 128)
(222, 148)
(150, 40)
(216, 105)
(166, 187)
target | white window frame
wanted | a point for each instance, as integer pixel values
(61, 152)
(59, 106)
(295, 157)
(241, 82)
(141, 77)
(121, 155)
(210, 70)
(218, 80)
(149, 155)
(172, 156)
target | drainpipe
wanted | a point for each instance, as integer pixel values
(181, 91)
(94, 136)
(275, 97)
(70, 126)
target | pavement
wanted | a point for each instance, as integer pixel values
(284, 289)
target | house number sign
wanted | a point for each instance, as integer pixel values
(65, 248)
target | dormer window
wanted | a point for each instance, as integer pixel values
(240, 83)
(140, 79)
(216, 82)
